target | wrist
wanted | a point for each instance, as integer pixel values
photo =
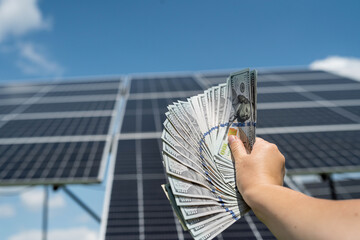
(256, 194)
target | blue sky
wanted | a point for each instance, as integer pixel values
(54, 39)
(81, 38)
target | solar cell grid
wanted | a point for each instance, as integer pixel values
(76, 93)
(164, 84)
(299, 117)
(17, 95)
(280, 97)
(305, 152)
(353, 109)
(61, 162)
(5, 109)
(87, 82)
(125, 162)
(337, 95)
(55, 127)
(72, 106)
(345, 189)
(319, 152)
(123, 218)
(156, 210)
(146, 111)
(318, 81)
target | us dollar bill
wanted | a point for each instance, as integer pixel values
(200, 170)
(241, 116)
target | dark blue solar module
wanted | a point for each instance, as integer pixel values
(70, 106)
(63, 162)
(338, 95)
(5, 109)
(87, 82)
(164, 84)
(48, 147)
(299, 117)
(344, 189)
(158, 218)
(319, 151)
(319, 81)
(16, 95)
(55, 127)
(146, 213)
(281, 97)
(77, 93)
(353, 109)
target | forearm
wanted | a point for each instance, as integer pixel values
(293, 215)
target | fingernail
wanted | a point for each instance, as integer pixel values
(231, 139)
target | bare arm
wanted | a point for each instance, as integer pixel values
(287, 213)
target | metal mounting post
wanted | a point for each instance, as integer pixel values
(45, 213)
(327, 177)
(81, 204)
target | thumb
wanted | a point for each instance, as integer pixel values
(237, 147)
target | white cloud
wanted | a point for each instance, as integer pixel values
(34, 62)
(82, 233)
(344, 66)
(18, 17)
(34, 199)
(83, 218)
(6, 211)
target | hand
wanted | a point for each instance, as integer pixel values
(264, 166)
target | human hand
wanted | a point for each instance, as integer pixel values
(264, 166)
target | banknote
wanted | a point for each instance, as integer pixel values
(197, 159)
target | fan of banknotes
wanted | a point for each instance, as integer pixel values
(201, 173)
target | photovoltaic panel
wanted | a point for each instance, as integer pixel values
(61, 139)
(319, 151)
(59, 162)
(164, 84)
(293, 113)
(353, 109)
(55, 127)
(75, 93)
(5, 109)
(280, 97)
(299, 117)
(318, 81)
(344, 189)
(87, 82)
(16, 95)
(337, 95)
(70, 106)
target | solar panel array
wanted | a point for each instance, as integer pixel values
(313, 116)
(62, 132)
(56, 132)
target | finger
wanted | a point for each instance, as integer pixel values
(237, 147)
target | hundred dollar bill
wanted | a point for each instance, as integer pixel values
(240, 111)
(197, 159)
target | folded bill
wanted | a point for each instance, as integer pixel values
(201, 175)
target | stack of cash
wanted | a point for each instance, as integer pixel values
(201, 172)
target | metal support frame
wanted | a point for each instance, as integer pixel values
(45, 213)
(327, 177)
(81, 204)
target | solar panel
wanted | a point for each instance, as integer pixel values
(313, 116)
(56, 127)
(319, 152)
(50, 163)
(299, 117)
(56, 132)
(344, 189)
(70, 106)
(164, 84)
